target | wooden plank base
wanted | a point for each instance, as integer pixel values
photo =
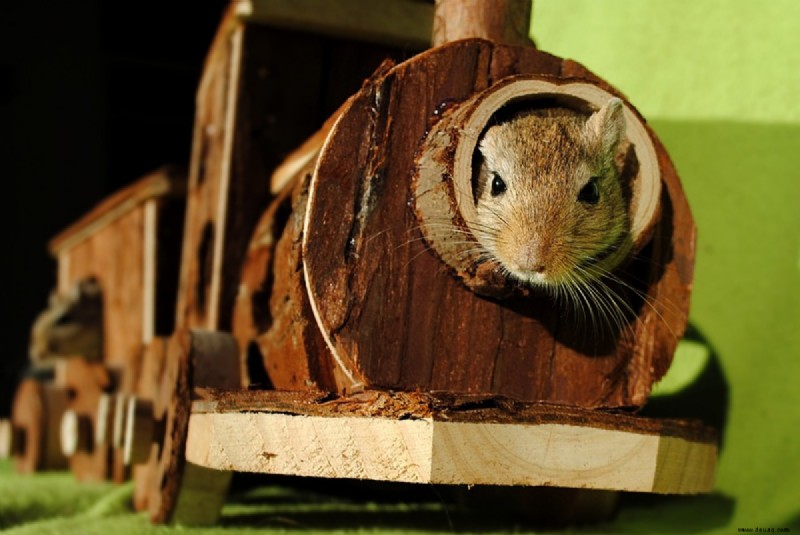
(421, 438)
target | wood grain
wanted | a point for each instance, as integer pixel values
(166, 181)
(516, 444)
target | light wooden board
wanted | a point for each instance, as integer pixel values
(430, 450)
(393, 22)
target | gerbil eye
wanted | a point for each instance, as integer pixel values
(498, 185)
(590, 193)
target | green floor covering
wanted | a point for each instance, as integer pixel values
(55, 504)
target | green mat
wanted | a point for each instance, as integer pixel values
(56, 504)
(720, 82)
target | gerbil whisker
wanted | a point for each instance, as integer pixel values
(607, 303)
(647, 300)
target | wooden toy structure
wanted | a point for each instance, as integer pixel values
(127, 244)
(325, 323)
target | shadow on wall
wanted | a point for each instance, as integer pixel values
(707, 399)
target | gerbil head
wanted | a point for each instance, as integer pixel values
(549, 204)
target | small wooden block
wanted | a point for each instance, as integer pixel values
(405, 438)
(76, 432)
(203, 493)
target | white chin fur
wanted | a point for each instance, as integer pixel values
(532, 278)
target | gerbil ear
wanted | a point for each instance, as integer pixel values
(606, 127)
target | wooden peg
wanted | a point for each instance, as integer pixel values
(502, 21)
(120, 414)
(76, 434)
(12, 439)
(104, 428)
(142, 430)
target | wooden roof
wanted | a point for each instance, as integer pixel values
(395, 22)
(167, 181)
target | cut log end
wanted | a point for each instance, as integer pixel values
(443, 183)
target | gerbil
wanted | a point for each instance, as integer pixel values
(550, 207)
(72, 325)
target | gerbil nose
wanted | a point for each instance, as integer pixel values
(529, 258)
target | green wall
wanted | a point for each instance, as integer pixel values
(720, 83)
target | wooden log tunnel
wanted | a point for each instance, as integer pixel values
(352, 285)
(350, 257)
(354, 296)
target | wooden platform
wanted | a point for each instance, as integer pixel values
(421, 438)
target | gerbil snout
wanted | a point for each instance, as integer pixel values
(530, 257)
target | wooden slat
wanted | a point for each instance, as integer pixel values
(392, 22)
(165, 181)
(523, 445)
